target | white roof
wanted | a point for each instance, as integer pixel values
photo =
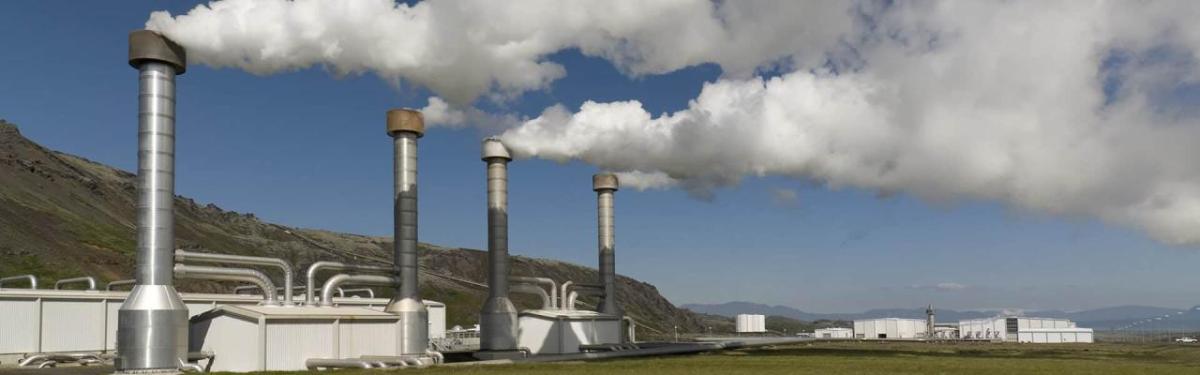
(569, 314)
(296, 312)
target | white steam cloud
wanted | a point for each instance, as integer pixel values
(462, 49)
(1071, 108)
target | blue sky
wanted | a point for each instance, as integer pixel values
(307, 149)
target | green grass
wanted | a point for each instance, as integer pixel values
(883, 358)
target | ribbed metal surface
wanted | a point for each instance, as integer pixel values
(19, 327)
(156, 174)
(367, 338)
(407, 301)
(78, 325)
(289, 344)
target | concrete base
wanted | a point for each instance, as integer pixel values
(487, 355)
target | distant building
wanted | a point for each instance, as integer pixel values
(833, 333)
(890, 328)
(1024, 329)
(750, 323)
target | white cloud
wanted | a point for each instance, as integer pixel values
(1067, 108)
(462, 49)
(942, 287)
(944, 100)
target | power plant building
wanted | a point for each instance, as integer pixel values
(833, 333)
(890, 328)
(1025, 330)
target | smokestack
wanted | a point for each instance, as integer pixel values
(498, 319)
(152, 324)
(405, 126)
(605, 184)
(929, 321)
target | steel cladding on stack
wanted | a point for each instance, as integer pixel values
(405, 126)
(605, 184)
(498, 318)
(152, 324)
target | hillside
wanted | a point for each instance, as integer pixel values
(64, 216)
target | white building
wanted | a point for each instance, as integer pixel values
(1024, 329)
(889, 328)
(751, 323)
(833, 333)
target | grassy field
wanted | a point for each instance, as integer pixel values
(884, 358)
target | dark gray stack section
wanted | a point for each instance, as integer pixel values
(498, 318)
(405, 126)
(605, 184)
(152, 324)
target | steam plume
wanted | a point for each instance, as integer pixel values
(1071, 108)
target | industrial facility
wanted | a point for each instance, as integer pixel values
(152, 328)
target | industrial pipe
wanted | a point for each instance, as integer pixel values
(498, 318)
(335, 363)
(632, 335)
(542, 280)
(333, 283)
(605, 184)
(535, 290)
(313, 269)
(288, 274)
(33, 280)
(566, 287)
(405, 126)
(111, 284)
(582, 289)
(370, 292)
(91, 282)
(247, 275)
(152, 324)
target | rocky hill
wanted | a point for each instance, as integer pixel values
(64, 216)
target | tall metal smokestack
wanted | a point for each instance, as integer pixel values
(152, 324)
(498, 319)
(405, 126)
(930, 321)
(605, 184)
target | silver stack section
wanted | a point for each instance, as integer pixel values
(605, 184)
(498, 319)
(405, 126)
(152, 324)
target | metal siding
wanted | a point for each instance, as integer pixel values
(77, 326)
(538, 334)
(18, 328)
(110, 334)
(437, 321)
(358, 338)
(291, 342)
(234, 341)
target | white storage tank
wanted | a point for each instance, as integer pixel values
(750, 323)
(563, 331)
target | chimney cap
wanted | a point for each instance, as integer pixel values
(405, 120)
(494, 149)
(605, 181)
(147, 46)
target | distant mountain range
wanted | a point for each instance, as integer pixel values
(1101, 319)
